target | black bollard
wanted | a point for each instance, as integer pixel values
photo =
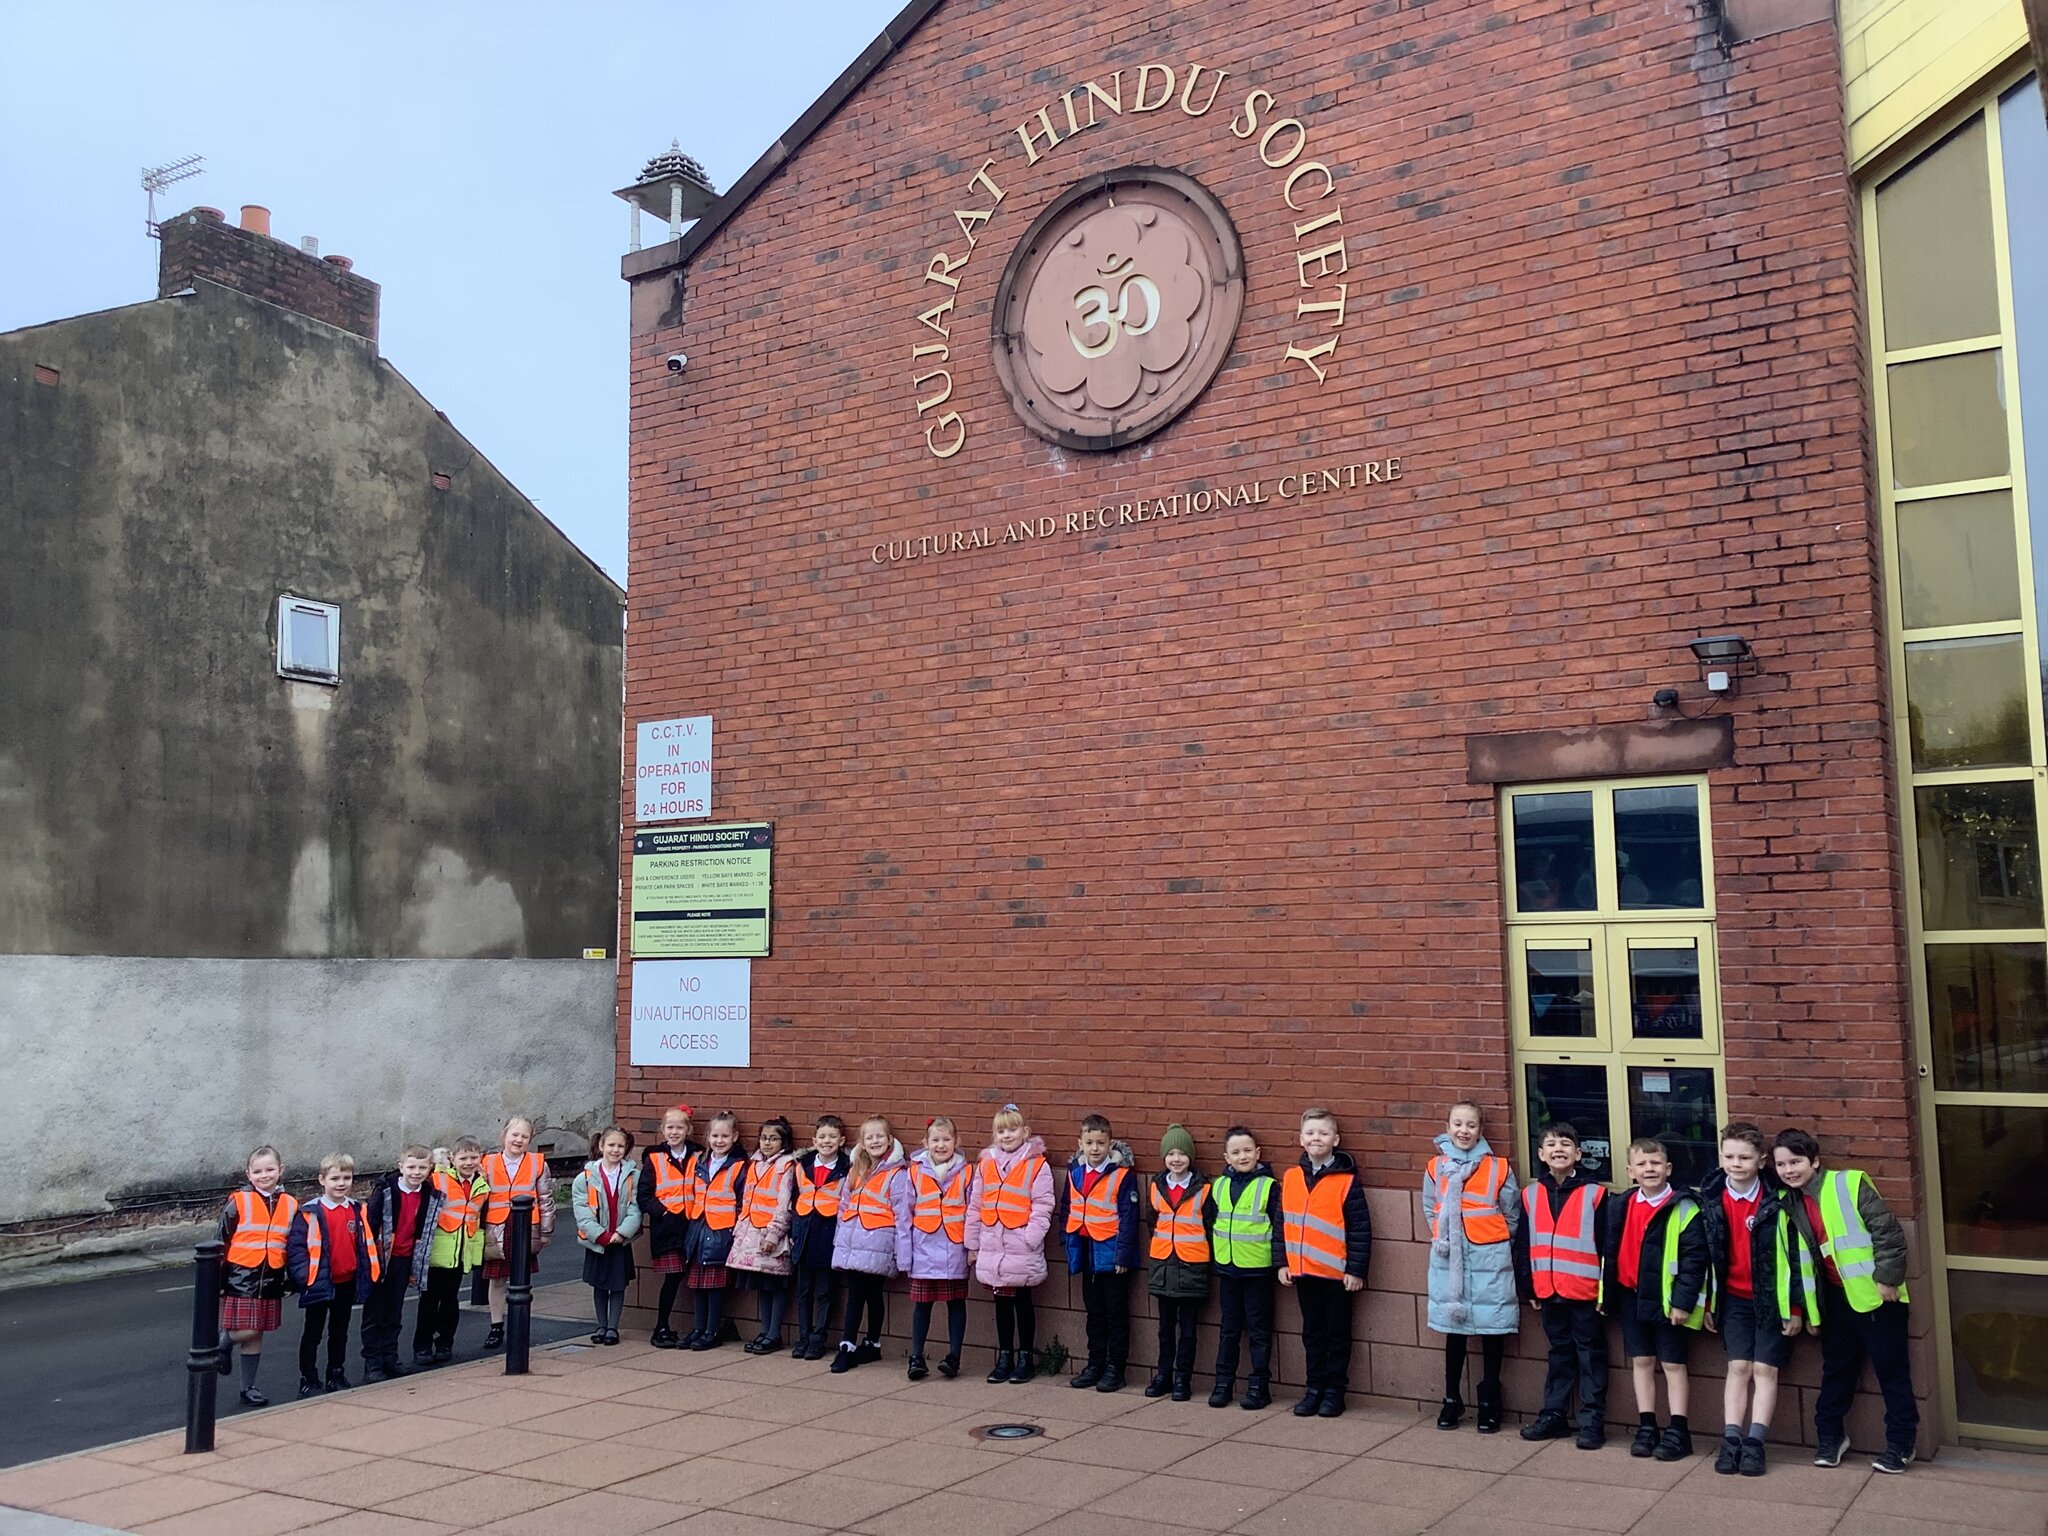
(519, 1292)
(203, 1364)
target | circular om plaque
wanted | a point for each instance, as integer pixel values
(1118, 307)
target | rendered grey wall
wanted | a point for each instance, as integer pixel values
(162, 790)
(132, 1076)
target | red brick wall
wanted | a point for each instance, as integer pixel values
(200, 246)
(1172, 822)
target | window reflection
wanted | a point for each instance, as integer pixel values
(1934, 245)
(1966, 702)
(1948, 419)
(1988, 1006)
(1554, 853)
(1561, 990)
(2000, 1327)
(1957, 560)
(1664, 992)
(1980, 864)
(1577, 1094)
(1657, 847)
(1675, 1105)
(1994, 1199)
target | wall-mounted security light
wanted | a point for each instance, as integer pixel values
(1724, 661)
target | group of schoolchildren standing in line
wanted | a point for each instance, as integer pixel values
(1772, 1245)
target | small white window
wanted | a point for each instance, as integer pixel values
(308, 640)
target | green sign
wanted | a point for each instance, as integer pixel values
(702, 892)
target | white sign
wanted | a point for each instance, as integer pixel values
(692, 1013)
(672, 770)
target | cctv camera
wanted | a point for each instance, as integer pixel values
(678, 361)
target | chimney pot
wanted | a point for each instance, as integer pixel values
(346, 263)
(211, 215)
(256, 218)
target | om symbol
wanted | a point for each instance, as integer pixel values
(1093, 303)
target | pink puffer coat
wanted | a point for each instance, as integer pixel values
(1005, 1259)
(930, 1255)
(870, 1250)
(765, 1250)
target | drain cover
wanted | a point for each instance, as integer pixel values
(1009, 1431)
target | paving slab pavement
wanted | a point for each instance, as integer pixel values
(634, 1441)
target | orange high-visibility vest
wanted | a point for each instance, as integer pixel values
(817, 1195)
(509, 1179)
(260, 1229)
(316, 1236)
(1006, 1197)
(1177, 1230)
(871, 1204)
(1094, 1214)
(1479, 1202)
(1313, 1218)
(671, 1182)
(1564, 1258)
(714, 1201)
(460, 1210)
(938, 1205)
(764, 1194)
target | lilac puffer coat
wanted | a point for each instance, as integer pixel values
(930, 1255)
(871, 1250)
(1005, 1259)
(765, 1250)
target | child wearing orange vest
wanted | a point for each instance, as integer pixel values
(1101, 1237)
(1178, 1278)
(864, 1240)
(514, 1171)
(455, 1247)
(1471, 1205)
(664, 1213)
(1327, 1246)
(820, 1184)
(1009, 1211)
(931, 1242)
(331, 1257)
(255, 1226)
(717, 1179)
(760, 1244)
(1558, 1260)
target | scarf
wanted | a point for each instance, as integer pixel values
(1454, 1167)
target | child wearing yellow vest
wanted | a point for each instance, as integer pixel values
(456, 1248)
(931, 1241)
(1245, 1223)
(254, 1226)
(1178, 1277)
(1471, 1205)
(1328, 1235)
(1859, 1301)
(1657, 1280)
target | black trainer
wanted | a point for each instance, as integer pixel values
(949, 1366)
(1162, 1380)
(1892, 1461)
(1547, 1425)
(1221, 1394)
(254, 1398)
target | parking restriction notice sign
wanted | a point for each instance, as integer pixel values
(702, 892)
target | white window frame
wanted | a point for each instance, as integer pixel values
(287, 664)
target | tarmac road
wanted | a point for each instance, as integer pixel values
(92, 1362)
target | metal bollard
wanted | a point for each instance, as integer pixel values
(203, 1364)
(519, 1292)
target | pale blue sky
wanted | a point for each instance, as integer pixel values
(463, 154)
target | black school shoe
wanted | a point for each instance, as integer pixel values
(1006, 1362)
(1591, 1437)
(1258, 1393)
(1675, 1444)
(1729, 1461)
(1112, 1380)
(1026, 1367)
(867, 1351)
(949, 1367)
(1645, 1443)
(1752, 1458)
(337, 1381)
(1088, 1375)
(1160, 1384)
(443, 1353)
(423, 1359)
(843, 1360)
(611, 1336)
(1451, 1414)
(309, 1386)
(1332, 1405)
(1221, 1394)
(917, 1370)
(495, 1339)
(1311, 1402)
(1547, 1425)
(665, 1338)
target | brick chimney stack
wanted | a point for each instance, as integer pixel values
(200, 246)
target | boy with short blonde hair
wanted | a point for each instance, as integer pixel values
(331, 1257)
(455, 1246)
(1327, 1232)
(1656, 1281)
(1101, 1235)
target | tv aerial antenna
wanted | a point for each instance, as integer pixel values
(160, 178)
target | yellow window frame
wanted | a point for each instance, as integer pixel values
(1607, 906)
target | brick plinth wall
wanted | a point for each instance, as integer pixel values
(198, 246)
(1172, 821)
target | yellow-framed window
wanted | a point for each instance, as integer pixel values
(1613, 983)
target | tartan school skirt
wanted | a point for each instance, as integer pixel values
(704, 1277)
(938, 1290)
(667, 1264)
(250, 1314)
(501, 1269)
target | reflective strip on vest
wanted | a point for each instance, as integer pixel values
(1006, 1197)
(1314, 1222)
(1847, 1241)
(1177, 1230)
(508, 1180)
(764, 1195)
(316, 1240)
(1479, 1199)
(715, 1201)
(671, 1182)
(871, 1205)
(815, 1195)
(260, 1229)
(1243, 1237)
(1095, 1214)
(1687, 1213)
(460, 1210)
(936, 1205)
(1789, 1248)
(1564, 1256)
